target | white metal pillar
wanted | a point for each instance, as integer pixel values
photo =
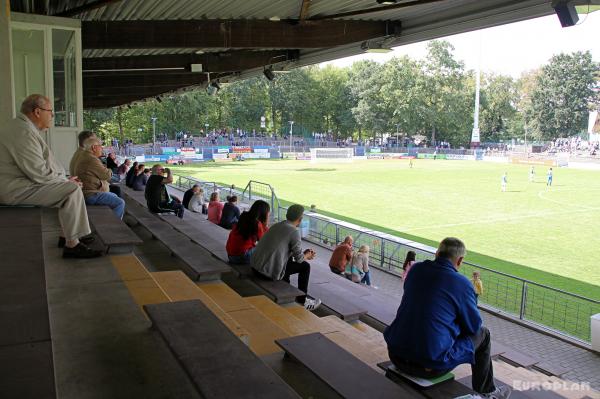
(6, 89)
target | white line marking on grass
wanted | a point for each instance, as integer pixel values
(497, 220)
(541, 196)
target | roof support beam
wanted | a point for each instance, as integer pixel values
(231, 33)
(84, 8)
(304, 9)
(230, 61)
(133, 83)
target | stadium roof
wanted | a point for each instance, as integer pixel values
(135, 49)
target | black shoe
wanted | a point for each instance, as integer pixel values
(87, 240)
(81, 251)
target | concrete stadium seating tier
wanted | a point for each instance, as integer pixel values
(26, 363)
(200, 264)
(216, 361)
(210, 237)
(261, 323)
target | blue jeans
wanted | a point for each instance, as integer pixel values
(109, 199)
(241, 259)
(366, 278)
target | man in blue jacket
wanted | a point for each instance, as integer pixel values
(438, 325)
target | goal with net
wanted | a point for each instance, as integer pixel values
(331, 154)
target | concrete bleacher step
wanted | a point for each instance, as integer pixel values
(103, 347)
(26, 361)
(550, 368)
(532, 384)
(263, 332)
(336, 300)
(361, 345)
(114, 234)
(213, 238)
(313, 321)
(373, 334)
(179, 287)
(138, 281)
(518, 358)
(199, 263)
(218, 364)
(278, 315)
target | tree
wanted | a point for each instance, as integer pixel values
(364, 83)
(401, 95)
(446, 99)
(561, 97)
(498, 107)
(333, 101)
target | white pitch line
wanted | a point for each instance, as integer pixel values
(541, 196)
(497, 220)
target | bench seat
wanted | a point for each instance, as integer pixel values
(114, 234)
(344, 373)
(217, 362)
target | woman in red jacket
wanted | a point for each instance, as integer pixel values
(246, 232)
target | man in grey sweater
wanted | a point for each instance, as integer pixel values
(279, 254)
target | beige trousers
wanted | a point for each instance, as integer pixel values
(69, 200)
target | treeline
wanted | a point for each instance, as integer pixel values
(433, 98)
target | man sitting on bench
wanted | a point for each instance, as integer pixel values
(438, 325)
(279, 254)
(30, 175)
(95, 176)
(157, 197)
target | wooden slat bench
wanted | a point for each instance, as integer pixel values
(200, 264)
(344, 373)
(217, 362)
(116, 236)
(26, 363)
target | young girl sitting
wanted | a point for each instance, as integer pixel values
(357, 269)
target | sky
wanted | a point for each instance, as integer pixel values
(509, 49)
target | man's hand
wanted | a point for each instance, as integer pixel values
(75, 180)
(309, 254)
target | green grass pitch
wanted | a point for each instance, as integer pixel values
(548, 235)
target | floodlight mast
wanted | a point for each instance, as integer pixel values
(291, 133)
(153, 134)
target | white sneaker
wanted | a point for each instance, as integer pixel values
(502, 392)
(312, 304)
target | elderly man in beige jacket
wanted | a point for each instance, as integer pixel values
(30, 175)
(95, 176)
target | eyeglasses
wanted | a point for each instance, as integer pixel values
(48, 110)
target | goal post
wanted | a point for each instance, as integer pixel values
(324, 154)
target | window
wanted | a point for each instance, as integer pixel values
(64, 74)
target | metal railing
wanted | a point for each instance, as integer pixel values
(256, 190)
(554, 309)
(186, 182)
(551, 308)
